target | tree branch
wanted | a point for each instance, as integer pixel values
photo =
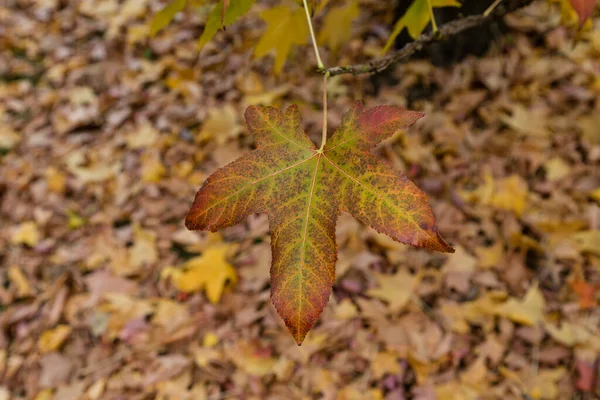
(445, 31)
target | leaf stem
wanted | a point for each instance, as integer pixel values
(321, 66)
(491, 8)
(324, 137)
(433, 23)
(312, 36)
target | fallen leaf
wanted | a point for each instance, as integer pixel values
(52, 339)
(397, 289)
(94, 173)
(586, 292)
(143, 136)
(8, 137)
(489, 257)
(385, 363)
(26, 233)
(556, 169)
(170, 314)
(252, 360)
(56, 180)
(588, 241)
(143, 252)
(17, 278)
(210, 272)
(152, 168)
(221, 125)
(528, 311)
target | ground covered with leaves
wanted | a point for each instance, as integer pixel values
(105, 136)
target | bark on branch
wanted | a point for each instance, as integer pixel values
(445, 31)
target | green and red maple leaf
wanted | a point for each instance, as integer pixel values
(304, 189)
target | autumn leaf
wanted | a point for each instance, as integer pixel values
(211, 271)
(162, 18)
(336, 27)
(303, 190)
(416, 19)
(397, 290)
(584, 9)
(285, 28)
(528, 311)
(218, 19)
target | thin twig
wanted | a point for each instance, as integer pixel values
(444, 32)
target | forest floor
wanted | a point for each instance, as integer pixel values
(106, 135)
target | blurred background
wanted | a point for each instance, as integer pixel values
(106, 134)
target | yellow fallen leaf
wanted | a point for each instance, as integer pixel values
(52, 339)
(74, 221)
(355, 392)
(16, 276)
(56, 180)
(45, 394)
(8, 137)
(345, 310)
(26, 233)
(210, 340)
(475, 374)
(152, 169)
(82, 95)
(170, 314)
(456, 316)
(568, 334)
(460, 261)
(589, 127)
(456, 391)
(588, 241)
(528, 311)
(137, 33)
(96, 390)
(143, 136)
(250, 83)
(93, 173)
(595, 194)
(385, 363)
(527, 122)
(488, 257)
(211, 271)
(323, 381)
(556, 169)
(205, 355)
(395, 289)
(143, 251)
(251, 359)
(510, 194)
(222, 124)
(544, 385)
(283, 368)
